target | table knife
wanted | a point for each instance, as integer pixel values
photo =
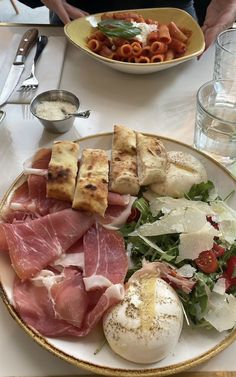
(27, 42)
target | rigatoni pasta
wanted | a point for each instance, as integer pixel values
(163, 42)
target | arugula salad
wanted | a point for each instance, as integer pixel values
(195, 238)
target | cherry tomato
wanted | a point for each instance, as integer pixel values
(207, 261)
(134, 216)
(230, 272)
(218, 250)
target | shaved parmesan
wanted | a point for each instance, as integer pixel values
(181, 220)
(228, 230)
(223, 211)
(220, 286)
(166, 204)
(226, 218)
(222, 311)
(186, 270)
(192, 244)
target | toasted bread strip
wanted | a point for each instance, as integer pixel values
(123, 176)
(92, 185)
(62, 170)
(152, 160)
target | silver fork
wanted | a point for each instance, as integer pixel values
(31, 82)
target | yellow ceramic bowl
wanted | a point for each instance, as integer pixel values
(78, 30)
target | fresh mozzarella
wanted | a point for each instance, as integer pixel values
(145, 30)
(146, 325)
(184, 171)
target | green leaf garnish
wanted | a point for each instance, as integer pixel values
(200, 191)
(118, 28)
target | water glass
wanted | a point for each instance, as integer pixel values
(225, 56)
(215, 126)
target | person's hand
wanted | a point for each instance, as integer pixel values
(220, 16)
(64, 11)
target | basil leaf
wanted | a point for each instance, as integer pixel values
(118, 29)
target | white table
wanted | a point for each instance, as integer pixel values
(162, 103)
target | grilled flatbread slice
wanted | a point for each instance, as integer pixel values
(123, 174)
(62, 170)
(92, 185)
(152, 160)
(124, 140)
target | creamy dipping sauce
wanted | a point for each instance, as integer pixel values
(54, 110)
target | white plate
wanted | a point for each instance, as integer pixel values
(195, 346)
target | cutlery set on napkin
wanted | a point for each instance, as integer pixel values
(36, 55)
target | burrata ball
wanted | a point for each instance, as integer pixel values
(146, 325)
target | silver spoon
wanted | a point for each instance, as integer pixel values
(83, 114)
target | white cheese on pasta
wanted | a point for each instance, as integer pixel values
(145, 30)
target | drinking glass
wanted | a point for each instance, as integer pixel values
(225, 56)
(215, 126)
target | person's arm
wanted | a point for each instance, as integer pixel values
(220, 15)
(64, 11)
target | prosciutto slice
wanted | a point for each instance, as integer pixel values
(22, 207)
(70, 298)
(29, 200)
(61, 308)
(35, 244)
(19, 196)
(3, 241)
(35, 306)
(37, 184)
(117, 215)
(118, 199)
(105, 259)
(168, 273)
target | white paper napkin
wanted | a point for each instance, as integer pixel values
(48, 68)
